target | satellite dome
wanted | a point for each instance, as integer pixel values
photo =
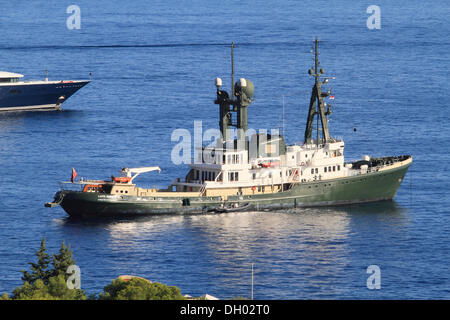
(246, 86)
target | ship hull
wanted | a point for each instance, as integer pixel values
(369, 187)
(37, 96)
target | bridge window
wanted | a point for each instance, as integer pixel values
(233, 176)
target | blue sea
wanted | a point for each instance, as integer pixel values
(153, 66)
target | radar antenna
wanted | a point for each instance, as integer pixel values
(316, 104)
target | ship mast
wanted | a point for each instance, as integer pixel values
(316, 104)
(241, 93)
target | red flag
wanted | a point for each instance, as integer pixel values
(74, 174)
(331, 97)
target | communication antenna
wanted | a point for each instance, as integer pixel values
(232, 70)
(283, 117)
(252, 282)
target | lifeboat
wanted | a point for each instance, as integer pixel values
(121, 179)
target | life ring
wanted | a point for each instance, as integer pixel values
(253, 188)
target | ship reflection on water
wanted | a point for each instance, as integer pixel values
(308, 249)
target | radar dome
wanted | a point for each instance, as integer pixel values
(246, 86)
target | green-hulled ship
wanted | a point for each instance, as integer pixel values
(248, 173)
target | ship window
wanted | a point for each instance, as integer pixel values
(270, 175)
(254, 176)
(329, 169)
(281, 174)
(306, 155)
(334, 168)
(317, 170)
(325, 169)
(236, 176)
(339, 167)
(312, 171)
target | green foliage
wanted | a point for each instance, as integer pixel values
(56, 289)
(42, 283)
(39, 270)
(62, 261)
(139, 289)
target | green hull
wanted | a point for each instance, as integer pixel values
(374, 186)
